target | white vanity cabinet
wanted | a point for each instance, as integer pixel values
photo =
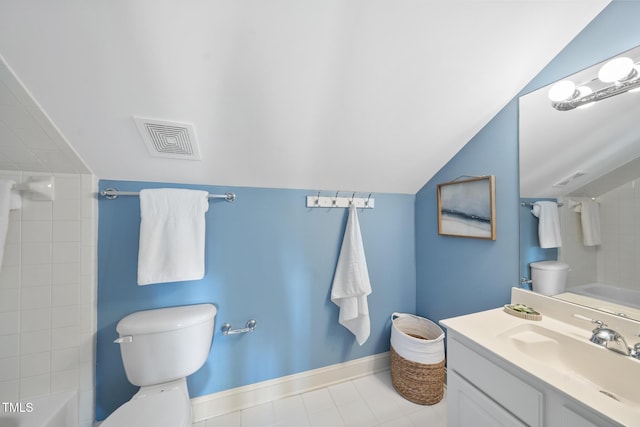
(485, 390)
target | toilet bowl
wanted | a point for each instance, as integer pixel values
(549, 277)
(164, 405)
(159, 349)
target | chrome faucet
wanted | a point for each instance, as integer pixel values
(636, 351)
(610, 339)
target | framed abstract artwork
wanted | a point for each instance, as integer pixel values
(467, 208)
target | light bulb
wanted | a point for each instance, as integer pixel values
(584, 91)
(616, 70)
(562, 91)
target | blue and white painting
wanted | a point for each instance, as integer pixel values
(466, 208)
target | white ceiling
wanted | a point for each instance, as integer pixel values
(359, 95)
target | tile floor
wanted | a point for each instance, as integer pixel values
(369, 401)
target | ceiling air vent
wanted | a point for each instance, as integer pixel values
(567, 180)
(171, 140)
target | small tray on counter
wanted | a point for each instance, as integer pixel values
(523, 311)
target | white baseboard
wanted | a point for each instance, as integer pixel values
(239, 398)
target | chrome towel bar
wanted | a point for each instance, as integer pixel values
(112, 193)
(226, 328)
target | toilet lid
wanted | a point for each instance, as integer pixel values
(167, 409)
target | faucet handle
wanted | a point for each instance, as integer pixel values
(600, 323)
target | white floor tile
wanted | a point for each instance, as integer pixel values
(344, 393)
(434, 415)
(365, 402)
(383, 408)
(357, 414)
(329, 417)
(293, 422)
(233, 419)
(317, 400)
(403, 421)
(258, 416)
(289, 408)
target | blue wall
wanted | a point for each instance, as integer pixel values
(457, 275)
(269, 258)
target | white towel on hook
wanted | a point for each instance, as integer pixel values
(548, 224)
(5, 206)
(351, 281)
(172, 235)
(590, 219)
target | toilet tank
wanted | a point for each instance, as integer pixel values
(165, 344)
(549, 277)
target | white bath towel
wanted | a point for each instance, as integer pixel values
(548, 224)
(172, 235)
(590, 219)
(351, 281)
(5, 207)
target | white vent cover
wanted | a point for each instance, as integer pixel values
(567, 180)
(168, 139)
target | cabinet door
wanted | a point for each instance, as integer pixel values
(571, 418)
(468, 406)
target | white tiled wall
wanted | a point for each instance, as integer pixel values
(48, 294)
(620, 250)
(615, 261)
(581, 259)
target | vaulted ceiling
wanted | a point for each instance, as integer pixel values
(358, 95)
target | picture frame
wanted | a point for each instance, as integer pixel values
(467, 208)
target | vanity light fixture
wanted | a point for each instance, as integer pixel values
(617, 76)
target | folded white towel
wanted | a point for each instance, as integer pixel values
(5, 206)
(172, 235)
(548, 224)
(351, 281)
(590, 219)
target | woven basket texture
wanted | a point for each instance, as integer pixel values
(417, 382)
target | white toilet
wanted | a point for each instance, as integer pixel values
(159, 349)
(549, 277)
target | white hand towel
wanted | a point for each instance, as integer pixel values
(548, 224)
(5, 207)
(351, 281)
(172, 235)
(590, 219)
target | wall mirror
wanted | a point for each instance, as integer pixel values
(585, 145)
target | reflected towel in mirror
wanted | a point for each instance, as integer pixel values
(548, 224)
(590, 219)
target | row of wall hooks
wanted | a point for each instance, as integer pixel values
(338, 201)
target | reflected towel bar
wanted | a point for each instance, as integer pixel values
(530, 204)
(112, 193)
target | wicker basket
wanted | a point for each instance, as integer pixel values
(420, 380)
(417, 382)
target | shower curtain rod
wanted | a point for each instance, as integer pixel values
(112, 193)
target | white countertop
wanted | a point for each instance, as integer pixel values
(485, 329)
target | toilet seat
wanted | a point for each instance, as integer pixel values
(159, 408)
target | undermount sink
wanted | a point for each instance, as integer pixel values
(577, 359)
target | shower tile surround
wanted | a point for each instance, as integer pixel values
(48, 294)
(612, 262)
